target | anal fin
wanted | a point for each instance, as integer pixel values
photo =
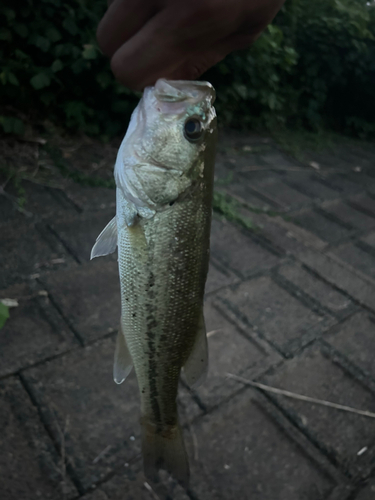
(123, 361)
(106, 242)
(196, 366)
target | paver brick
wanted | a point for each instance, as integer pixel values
(88, 297)
(342, 184)
(218, 277)
(369, 239)
(365, 203)
(310, 185)
(357, 258)
(368, 492)
(328, 297)
(243, 193)
(239, 252)
(76, 392)
(91, 198)
(278, 159)
(9, 212)
(24, 251)
(29, 466)
(355, 338)
(350, 215)
(290, 238)
(240, 443)
(44, 201)
(96, 495)
(79, 233)
(129, 484)
(333, 271)
(283, 320)
(320, 225)
(33, 332)
(224, 170)
(231, 349)
(243, 453)
(339, 434)
(285, 196)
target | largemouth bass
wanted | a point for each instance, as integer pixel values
(164, 178)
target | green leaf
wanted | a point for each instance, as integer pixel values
(8, 77)
(4, 314)
(53, 35)
(20, 55)
(60, 50)
(12, 125)
(21, 30)
(6, 124)
(57, 66)
(13, 79)
(43, 43)
(9, 14)
(40, 81)
(5, 34)
(104, 79)
(79, 66)
(18, 126)
(70, 26)
(89, 52)
(47, 97)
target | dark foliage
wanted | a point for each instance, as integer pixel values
(314, 67)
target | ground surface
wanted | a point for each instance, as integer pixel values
(290, 304)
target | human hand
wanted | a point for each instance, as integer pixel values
(177, 39)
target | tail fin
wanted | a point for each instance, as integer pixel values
(164, 449)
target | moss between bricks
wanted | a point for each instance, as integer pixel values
(75, 175)
(223, 204)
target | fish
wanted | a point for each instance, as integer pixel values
(164, 186)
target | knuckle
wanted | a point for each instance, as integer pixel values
(118, 68)
(102, 38)
(198, 10)
(208, 7)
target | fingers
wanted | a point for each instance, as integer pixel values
(121, 21)
(165, 42)
(177, 39)
(197, 64)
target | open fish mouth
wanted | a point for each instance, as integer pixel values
(182, 90)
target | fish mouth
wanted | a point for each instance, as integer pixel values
(184, 90)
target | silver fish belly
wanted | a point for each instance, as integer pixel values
(164, 176)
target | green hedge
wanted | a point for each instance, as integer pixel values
(315, 66)
(52, 69)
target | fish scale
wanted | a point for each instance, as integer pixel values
(164, 329)
(164, 177)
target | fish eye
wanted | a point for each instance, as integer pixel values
(193, 129)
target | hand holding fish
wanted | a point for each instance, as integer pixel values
(178, 39)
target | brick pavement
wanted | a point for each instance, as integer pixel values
(291, 304)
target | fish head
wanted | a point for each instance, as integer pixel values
(170, 134)
(178, 118)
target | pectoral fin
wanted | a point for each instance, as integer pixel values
(123, 362)
(196, 366)
(106, 242)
